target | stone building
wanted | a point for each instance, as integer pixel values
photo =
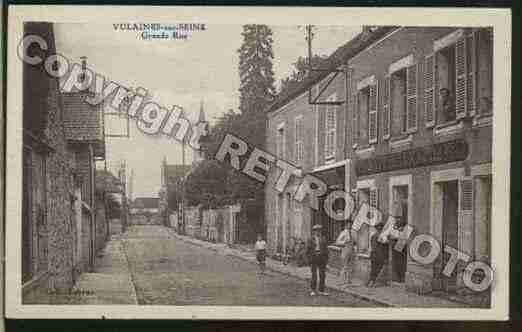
(63, 137)
(412, 136)
(171, 182)
(144, 211)
(421, 136)
(313, 138)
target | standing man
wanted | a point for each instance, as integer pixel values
(379, 254)
(346, 242)
(317, 252)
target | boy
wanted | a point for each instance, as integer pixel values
(261, 252)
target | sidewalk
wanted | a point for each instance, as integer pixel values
(387, 296)
(110, 283)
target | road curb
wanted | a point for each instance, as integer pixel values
(275, 269)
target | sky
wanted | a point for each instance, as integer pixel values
(184, 72)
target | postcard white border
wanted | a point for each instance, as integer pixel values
(500, 19)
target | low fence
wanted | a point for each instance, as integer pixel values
(227, 224)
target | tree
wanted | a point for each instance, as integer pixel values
(255, 68)
(213, 183)
(113, 206)
(300, 72)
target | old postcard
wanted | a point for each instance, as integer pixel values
(240, 162)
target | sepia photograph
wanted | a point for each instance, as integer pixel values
(206, 163)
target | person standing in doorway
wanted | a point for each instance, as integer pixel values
(317, 252)
(345, 241)
(378, 256)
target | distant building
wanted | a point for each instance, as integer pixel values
(144, 211)
(144, 205)
(199, 154)
(171, 182)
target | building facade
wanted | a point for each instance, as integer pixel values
(62, 138)
(420, 103)
(312, 137)
(413, 138)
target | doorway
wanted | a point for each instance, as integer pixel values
(450, 217)
(399, 259)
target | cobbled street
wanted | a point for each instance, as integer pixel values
(166, 270)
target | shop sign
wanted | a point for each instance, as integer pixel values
(436, 154)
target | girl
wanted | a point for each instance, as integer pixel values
(261, 253)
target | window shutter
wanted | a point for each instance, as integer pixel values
(411, 103)
(466, 194)
(372, 115)
(471, 70)
(386, 109)
(460, 77)
(374, 197)
(435, 87)
(355, 117)
(331, 123)
(429, 93)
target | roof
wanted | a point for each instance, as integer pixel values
(176, 171)
(82, 120)
(336, 59)
(145, 203)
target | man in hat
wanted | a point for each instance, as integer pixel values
(317, 252)
(379, 254)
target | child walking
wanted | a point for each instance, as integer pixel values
(261, 253)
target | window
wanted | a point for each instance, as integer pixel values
(386, 109)
(330, 131)
(445, 75)
(280, 141)
(403, 100)
(363, 103)
(398, 102)
(298, 143)
(462, 76)
(485, 71)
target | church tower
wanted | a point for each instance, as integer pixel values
(199, 155)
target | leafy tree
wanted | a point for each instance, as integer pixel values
(113, 206)
(212, 183)
(300, 72)
(255, 68)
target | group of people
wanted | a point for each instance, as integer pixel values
(317, 251)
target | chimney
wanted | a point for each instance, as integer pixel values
(83, 75)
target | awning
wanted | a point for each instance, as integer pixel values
(333, 177)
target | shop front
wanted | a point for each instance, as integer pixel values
(442, 189)
(337, 177)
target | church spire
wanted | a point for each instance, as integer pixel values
(201, 112)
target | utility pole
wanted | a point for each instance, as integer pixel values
(309, 36)
(183, 187)
(183, 183)
(123, 180)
